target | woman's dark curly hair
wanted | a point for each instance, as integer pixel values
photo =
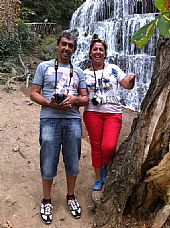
(96, 39)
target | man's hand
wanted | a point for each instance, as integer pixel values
(64, 105)
(79, 101)
(68, 102)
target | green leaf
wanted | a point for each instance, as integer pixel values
(161, 5)
(163, 25)
(141, 37)
(167, 15)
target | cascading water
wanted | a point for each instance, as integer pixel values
(115, 21)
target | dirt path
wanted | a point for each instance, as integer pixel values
(20, 182)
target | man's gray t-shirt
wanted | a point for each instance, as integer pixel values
(45, 77)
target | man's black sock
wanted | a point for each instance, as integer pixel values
(70, 197)
(45, 201)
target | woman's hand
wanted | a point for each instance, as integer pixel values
(128, 81)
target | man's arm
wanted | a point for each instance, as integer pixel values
(83, 99)
(36, 96)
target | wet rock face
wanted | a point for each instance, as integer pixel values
(115, 22)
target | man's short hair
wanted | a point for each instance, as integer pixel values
(70, 36)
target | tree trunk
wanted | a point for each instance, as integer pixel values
(138, 175)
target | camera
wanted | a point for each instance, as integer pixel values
(95, 100)
(59, 97)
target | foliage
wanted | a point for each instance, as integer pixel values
(161, 22)
(55, 11)
(26, 14)
(26, 36)
(51, 10)
(9, 45)
(46, 48)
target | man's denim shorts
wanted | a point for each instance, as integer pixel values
(65, 133)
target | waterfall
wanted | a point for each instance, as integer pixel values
(115, 21)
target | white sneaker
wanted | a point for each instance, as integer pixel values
(46, 213)
(74, 207)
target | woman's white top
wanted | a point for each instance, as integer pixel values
(107, 80)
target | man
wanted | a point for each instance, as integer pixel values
(60, 89)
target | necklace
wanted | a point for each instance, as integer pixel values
(92, 68)
(99, 80)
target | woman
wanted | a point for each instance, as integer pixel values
(103, 114)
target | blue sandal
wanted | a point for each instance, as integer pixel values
(97, 186)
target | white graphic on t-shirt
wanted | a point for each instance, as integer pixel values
(66, 84)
